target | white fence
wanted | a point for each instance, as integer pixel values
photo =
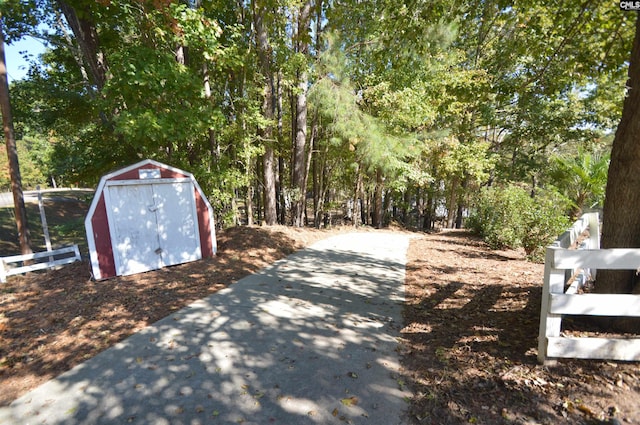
(56, 257)
(563, 262)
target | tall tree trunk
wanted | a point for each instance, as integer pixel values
(322, 190)
(282, 213)
(376, 220)
(316, 187)
(87, 37)
(324, 200)
(249, 171)
(386, 206)
(258, 198)
(281, 205)
(75, 52)
(234, 208)
(310, 152)
(428, 209)
(268, 112)
(461, 203)
(249, 204)
(12, 153)
(452, 202)
(214, 146)
(358, 217)
(299, 191)
(300, 140)
(406, 201)
(269, 174)
(621, 220)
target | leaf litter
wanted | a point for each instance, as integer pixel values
(469, 345)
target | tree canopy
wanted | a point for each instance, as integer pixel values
(375, 110)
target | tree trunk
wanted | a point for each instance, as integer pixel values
(366, 208)
(300, 140)
(376, 220)
(214, 146)
(268, 112)
(316, 187)
(12, 153)
(452, 204)
(461, 206)
(299, 153)
(427, 224)
(281, 206)
(357, 197)
(314, 132)
(268, 165)
(387, 205)
(258, 199)
(621, 220)
(406, 201)
(282, 213)
(249, 205)
(234, 208)
(87, 37)
(75, 52)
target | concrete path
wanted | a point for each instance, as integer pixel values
(308, 340)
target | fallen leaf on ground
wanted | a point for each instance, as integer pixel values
(350, 401)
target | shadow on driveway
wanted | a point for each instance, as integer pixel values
(309, 340)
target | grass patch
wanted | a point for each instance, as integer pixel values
(65, 220)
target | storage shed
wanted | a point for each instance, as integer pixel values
(147, 216)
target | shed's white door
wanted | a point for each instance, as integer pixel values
(152, 225)
(177, 223)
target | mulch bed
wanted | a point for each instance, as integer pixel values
(470, 344)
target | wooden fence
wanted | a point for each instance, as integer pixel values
(570, 266)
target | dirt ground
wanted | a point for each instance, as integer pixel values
(468, 345)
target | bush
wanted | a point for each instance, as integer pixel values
(545, 222)
(497, 217)
(508, 217)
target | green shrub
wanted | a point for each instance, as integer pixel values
(508, 217)
(497, 217)
(545, 222)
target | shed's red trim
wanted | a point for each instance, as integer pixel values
(133, 174)
(102, 239)
(204, 226)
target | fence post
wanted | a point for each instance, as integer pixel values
(594, 238)
(553, 284)
(594, 230)
(43, 220)
(3, 272)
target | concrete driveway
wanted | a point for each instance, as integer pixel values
(311, 339)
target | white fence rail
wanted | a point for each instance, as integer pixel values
(563, 262)
(56, 257)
